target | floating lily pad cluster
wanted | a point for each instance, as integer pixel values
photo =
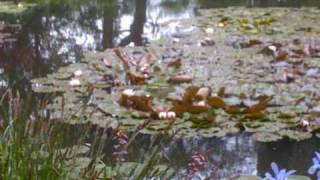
(2, 35)
(204, 87)
(9, 7)
(254, 21)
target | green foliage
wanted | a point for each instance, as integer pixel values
(33, 148)
(21, 155)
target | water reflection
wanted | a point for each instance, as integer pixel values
(231, 156)
(227, 157)
(257, 3)
(288, 154)
(60, 32)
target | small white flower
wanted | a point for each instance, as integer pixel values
(78, 73)
(175, 40)
(305, 123)
(209, 30)
(171, 115)
(163, 115)
(272, 48)
(74, 82)
(202, 104)
(128, 92)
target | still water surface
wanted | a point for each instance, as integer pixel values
(56, 33)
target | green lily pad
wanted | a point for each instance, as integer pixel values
(267, 137)
(248, 177)
(256, 96)
(298, 177)
(9, 7)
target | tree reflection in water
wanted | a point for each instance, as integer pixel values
(60, 32)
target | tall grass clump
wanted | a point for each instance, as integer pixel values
(27, 148)
(32, 147)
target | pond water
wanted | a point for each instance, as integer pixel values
(56, 33)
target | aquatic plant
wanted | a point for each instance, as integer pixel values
(315, 168)
(27, 145)
(278, 174)
(33, 148)
(120, 152)
(197, 162)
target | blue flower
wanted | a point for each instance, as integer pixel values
(279, 174)
(315, 168)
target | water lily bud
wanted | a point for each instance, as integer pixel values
(203, 93)
(74, 82)
(209, 30)
(162, 115)
(78, 73)
(221, 24)
(202, 103)
(128, 92)
(272, 48)
(171, 115)
(304, 124)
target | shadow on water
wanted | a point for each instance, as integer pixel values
(233, 155)
(56, 33)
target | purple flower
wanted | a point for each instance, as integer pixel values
(197, 162)
(315, 168)
(279, 174)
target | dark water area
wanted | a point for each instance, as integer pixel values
(56, 33)
(234, 155)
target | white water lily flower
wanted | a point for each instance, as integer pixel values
(78, 73)
(74, 82)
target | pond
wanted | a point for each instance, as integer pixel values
(53, 34)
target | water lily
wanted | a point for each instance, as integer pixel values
(128, 92)
(78, 73)
(196, 164)
(279, 174)
(167, 115)
(74, 82)
(315, 168)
